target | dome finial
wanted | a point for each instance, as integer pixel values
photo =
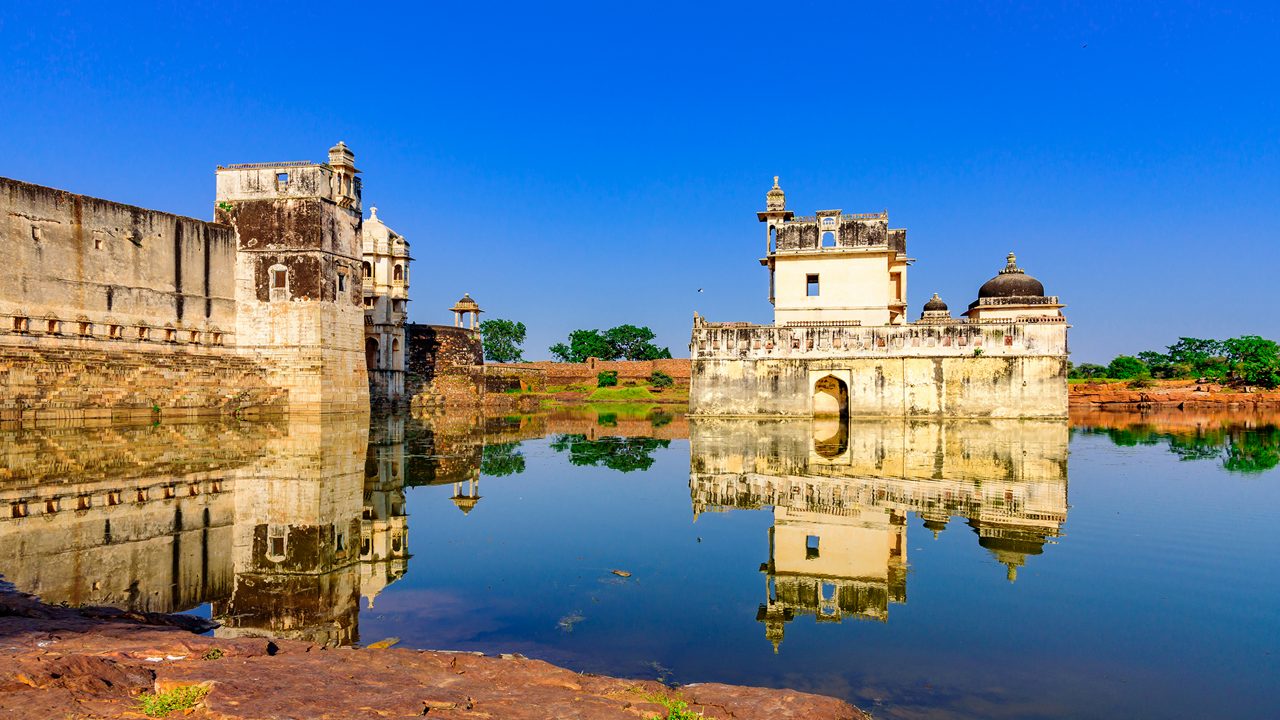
(373, 213)
(1011, 264)
(775, 181)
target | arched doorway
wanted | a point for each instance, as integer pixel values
(830, 397)
(371, 353)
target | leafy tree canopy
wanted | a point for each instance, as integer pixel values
(1126, 367)
(502, 340)
(624, 342)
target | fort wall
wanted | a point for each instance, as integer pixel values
(959, 369)
(109, 274)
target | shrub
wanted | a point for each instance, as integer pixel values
(660, 379)
(607, 378)
(179, 698)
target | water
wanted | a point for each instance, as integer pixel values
(1121, 565)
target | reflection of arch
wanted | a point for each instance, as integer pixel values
(371, 353)
(831, 397)
(830, 436)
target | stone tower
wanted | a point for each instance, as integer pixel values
(299, 305)
(386, 296)
(834, 266)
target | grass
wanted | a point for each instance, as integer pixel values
(621, 393)
(180, 698)
(677, 709)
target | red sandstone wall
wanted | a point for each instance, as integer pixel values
(558, 372)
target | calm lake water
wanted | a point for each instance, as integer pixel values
(1116, 566)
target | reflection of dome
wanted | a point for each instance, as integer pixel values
(1011, 282)
(465, 503)
(935, 304)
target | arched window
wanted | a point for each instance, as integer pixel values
(828, 239)
(398, 273)
(371, 353)
(368, 269)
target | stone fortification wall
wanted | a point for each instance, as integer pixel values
(987, 369)
(91, 383)
(444, 366)
(560, 373)
(112, 274)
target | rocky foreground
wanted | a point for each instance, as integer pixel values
(95, 663)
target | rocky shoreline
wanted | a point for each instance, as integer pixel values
(92, 663)
(1168, 393)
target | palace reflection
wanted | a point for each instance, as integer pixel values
(842, 491)
(280, 526)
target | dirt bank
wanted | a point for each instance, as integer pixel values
(95, 662)
(1169, 393)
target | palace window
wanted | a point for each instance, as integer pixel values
(282, 180)
(21, 324)
(828, 222)
(144, 332)
(115, 332)
(811, 285)
(342, 282)
(170, 335)
(53, 327)
(368, 269)
(86, 329)
(398, 273)
(279, 275)
(194, 337)
(828, 239)
(811, 543)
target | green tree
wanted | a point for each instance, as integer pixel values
(634, 343)
(583, 344)
(1085, 371)
(607, 378)
(1127, 367)
(502, 340)
(624, 342)
(1253, 360)
(1198, 357)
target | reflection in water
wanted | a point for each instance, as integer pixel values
(624, 454)
(841, 492)
(280, 526)
(1241, 443)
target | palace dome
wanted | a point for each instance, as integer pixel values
(935, 304)
(1011, 282)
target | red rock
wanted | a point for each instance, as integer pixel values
(94, 663)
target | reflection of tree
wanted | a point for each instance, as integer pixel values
(1254, 450)
(501, 459)
(1241, 449)
(623, 454)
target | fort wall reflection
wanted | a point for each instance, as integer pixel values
(842, 491)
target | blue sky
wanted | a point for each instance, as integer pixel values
(595, 164)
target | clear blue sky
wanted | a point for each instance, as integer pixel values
(595, 164)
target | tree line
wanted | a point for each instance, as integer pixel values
(1244, 360)
(502, 340)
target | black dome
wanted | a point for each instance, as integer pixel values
(1011, 282)
(935, 304)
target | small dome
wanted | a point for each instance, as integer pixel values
(935, 304)
(1011, 282)
(466, 303)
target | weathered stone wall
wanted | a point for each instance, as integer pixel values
(444, 366)
(560, 373)
(83, 381)
(997, 369)
(112, 274)
(309, 332)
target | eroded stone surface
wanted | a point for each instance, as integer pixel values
(63, 662)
